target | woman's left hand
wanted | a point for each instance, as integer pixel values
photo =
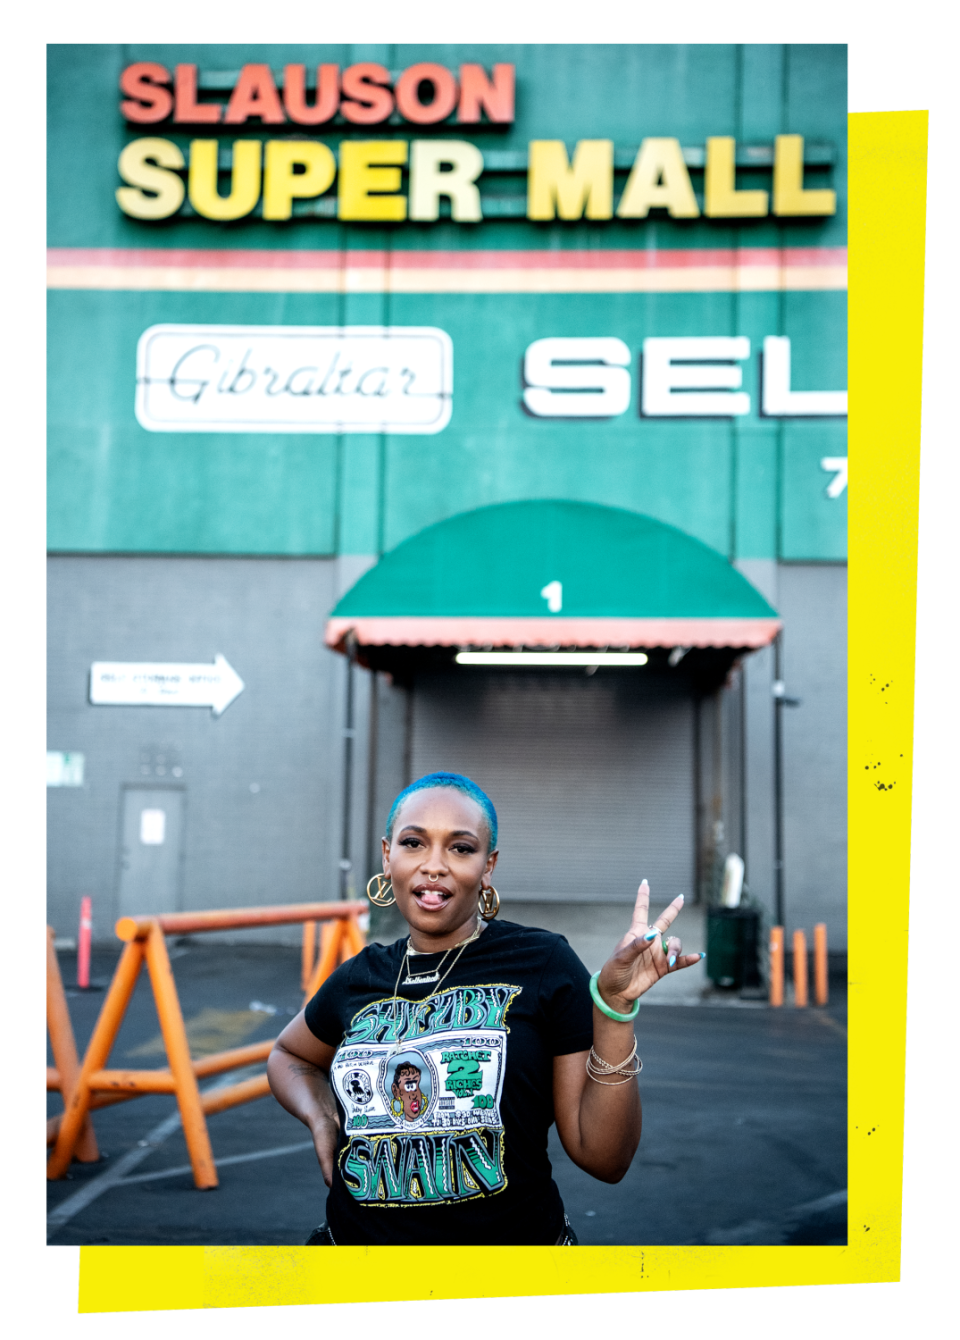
(644, 955)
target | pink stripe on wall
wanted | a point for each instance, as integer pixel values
(195, 258)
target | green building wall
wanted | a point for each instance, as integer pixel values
(750, 487)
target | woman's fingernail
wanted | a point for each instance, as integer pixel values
(671, 960)
(651, 935)
(702, 954)
(680, 898)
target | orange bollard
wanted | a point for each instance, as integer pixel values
(776, 965)
(820, 990)
(83, 943)
(800, 970)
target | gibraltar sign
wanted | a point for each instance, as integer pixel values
(294, 379)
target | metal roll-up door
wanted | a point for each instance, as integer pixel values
(592, 776)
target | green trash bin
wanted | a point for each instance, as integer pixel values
(733, 935)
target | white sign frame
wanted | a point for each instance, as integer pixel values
(197, 378)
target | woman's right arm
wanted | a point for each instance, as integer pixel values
(298, 1070)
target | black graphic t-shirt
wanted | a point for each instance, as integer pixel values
(446, 1100)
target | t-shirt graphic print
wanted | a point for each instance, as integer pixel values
(444, 1088)
(421, 1091)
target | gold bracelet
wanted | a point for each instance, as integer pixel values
(597, 1067)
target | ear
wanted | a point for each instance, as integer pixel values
(491, 862)
(385, 849)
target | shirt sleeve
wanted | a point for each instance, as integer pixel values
(565, 993)
(323, 1013)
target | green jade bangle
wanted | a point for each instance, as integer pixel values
(604, 1008)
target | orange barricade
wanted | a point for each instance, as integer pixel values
(349, 940)
(63, 1075)
(144, 937)
(308, 956)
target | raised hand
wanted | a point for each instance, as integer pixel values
(645, 954)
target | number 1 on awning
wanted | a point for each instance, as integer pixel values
(553, 595)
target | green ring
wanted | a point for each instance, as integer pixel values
(604, 1008)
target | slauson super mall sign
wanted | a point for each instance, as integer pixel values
(381, 180)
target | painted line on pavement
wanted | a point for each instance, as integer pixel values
(73, 1205)
(221, 1163)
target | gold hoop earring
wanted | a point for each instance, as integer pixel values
(383, 897)
(489, 903)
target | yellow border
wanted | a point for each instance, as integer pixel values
(887, 216)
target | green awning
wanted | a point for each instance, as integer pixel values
(549, 573)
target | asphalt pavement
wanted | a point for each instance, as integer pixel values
(744, 1124)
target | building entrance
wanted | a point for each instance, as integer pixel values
(592, 776)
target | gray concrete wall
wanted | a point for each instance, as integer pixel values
(262, 781)
(811, 598)
(813, 602)
(758, 681)
(389, 760)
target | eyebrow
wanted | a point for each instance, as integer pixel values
(457, 832)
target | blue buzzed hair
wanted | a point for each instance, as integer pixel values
(454, 781)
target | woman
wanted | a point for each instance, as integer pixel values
(429, 1071)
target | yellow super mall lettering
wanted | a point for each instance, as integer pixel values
(369, 177)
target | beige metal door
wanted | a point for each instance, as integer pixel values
(151, 850)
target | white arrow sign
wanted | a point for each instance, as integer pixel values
(152, 684)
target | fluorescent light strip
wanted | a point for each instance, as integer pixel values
(551, 658)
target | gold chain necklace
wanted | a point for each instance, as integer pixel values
(427, 978)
